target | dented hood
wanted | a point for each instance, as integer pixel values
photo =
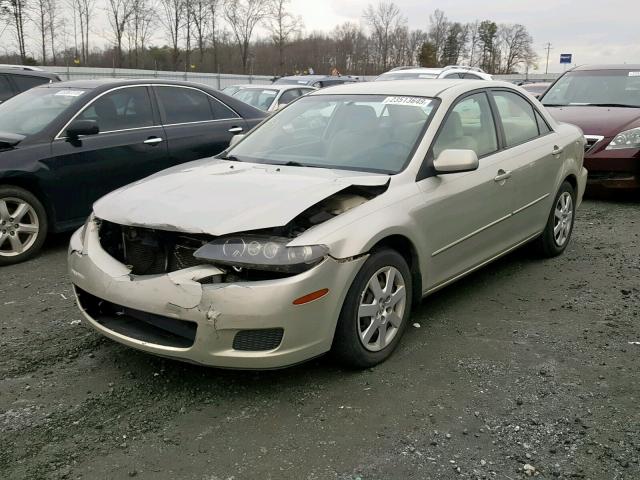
(218, 197)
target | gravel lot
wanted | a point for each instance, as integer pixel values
(523, 369)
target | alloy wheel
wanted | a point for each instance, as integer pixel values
(381, 311)
(19, 226)
(563, 219)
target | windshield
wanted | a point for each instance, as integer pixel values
(373, 133)
(257, 97)
(405, 76)
(31, 111)
(604, 87)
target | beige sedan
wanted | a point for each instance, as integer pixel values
(321, 228)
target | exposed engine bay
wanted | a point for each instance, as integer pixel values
(149, 251)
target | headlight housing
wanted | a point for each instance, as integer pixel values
(626, 139)
(261, 252)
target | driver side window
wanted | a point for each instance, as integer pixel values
(469, 126)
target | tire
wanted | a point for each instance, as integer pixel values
(21, 238)
(551, 243)
(351, 346)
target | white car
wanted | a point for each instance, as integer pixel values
(451, 72)
(321, 228)
(269, 98)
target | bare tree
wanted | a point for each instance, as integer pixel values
(383, 20)
(473, 39)
(118, 13)
(243, 17)
(214, 14)
(282, 26)
(16, 12)
(172, 18)
(516, 43)
(139, 29)
(438, 32)
(53, 24)
(40, 8)
(200, 16)
(414, 45)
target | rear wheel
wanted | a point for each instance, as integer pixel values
(557, 233)
(375, 312)
(23, 225)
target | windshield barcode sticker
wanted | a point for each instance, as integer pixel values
(69, 93)
(417, 101)
(634, 74)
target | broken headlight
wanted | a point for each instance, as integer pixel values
(261, 253)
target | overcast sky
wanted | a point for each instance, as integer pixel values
(603, 31)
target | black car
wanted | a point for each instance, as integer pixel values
(64, 145)
(17, 80)
(317, 81)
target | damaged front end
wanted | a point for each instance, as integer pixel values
(229, 301)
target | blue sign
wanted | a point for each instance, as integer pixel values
(565, 58)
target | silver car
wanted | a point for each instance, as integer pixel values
(321, 228)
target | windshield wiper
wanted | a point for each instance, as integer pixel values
(293, 163)
(554, 104)
(232, 158)
(622, 105)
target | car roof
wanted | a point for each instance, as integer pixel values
(629, 66)
(271, 86)
(28, 73)
(419, 88)
(415, 70)
(117, 82)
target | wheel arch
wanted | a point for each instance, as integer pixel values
(405, 247)
(573, 181)
(31, 185)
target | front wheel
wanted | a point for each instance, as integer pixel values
(23, 225)
(557, 233)
(375, 312)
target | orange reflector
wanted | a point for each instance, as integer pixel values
(310, 297)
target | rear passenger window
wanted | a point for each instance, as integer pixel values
(517, 117)
(543, 128)
(25, 82)
(220, 110)
(184, 105)
(469, 126)
(6, 92)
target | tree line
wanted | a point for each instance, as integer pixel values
(248, 36)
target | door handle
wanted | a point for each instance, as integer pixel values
(236, 129)
(557, 150)
(152, 141)
(502, 176)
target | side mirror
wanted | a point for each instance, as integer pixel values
(235, 139)
(82, 127)
(456, 161)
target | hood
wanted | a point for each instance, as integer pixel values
(218, 197)
(605, 121)
(8, 140)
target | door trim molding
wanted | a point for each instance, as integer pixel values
(495, 222)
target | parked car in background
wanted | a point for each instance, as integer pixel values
(449, 72)
(317, 81)
(64, 145)
(536, 89)
(319, 229)
(270, 98)
(604, 101)
(15, 80)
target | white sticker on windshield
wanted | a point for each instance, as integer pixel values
(634, 74)
(69, 93)
(417, 101)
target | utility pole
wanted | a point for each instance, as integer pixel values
(548, 49)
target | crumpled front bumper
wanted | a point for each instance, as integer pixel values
(220, 310)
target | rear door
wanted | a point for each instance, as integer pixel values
(130, 146)
(197, 125)
(530, 160)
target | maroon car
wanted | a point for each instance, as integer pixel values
(604, 101)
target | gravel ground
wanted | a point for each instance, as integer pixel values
(527, 368)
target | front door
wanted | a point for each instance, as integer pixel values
(130, 146)
(464, 214)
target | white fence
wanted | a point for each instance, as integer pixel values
(222, 80)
